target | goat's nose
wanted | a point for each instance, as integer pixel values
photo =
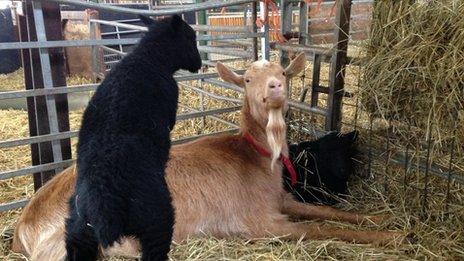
(275, 84)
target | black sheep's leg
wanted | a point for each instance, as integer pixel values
(156, 243)
(81, 243)
(153, 224)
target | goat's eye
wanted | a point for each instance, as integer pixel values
(247, 80)
(283, 73)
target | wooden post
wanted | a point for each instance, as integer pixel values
(38, 112)
(98, 68)
(337, 66)
(254, 29)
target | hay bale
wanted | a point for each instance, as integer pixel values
(414, 70)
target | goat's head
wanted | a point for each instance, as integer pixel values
(265, 85)
(180, 46)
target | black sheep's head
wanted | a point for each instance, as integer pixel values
(334, 153)
(179, 41)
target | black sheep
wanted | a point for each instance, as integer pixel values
(323, 167)
(124, 145)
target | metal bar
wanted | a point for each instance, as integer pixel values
(330, 3)
(184, 9)
(41, 92)
(13, 205)
(47, 80)
(112, 50)
(118, 37)
(387, 160)
(121, 32)
(285, 27)
(190, 115)
(123, 41)
(67, 43)
(196, 76)
(72, 134)
(196, 27)
(399, 158)
(201, 20)
(331, 19)
(427, 171)
(450, 169)
(406, 161)
(315, 81)
(219, 28)
(307, 49)
(305, 107)
(338, 64)
(29, 61)
(230, 124)
(93, 87)
(232, 42)
(38, 139)
(265, 45)
(231, 52)
(212, 95)
(369, 154)
(187, 139)
(213, 63)
(303, 30)
(37, 168)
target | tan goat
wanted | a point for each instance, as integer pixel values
(221, 186)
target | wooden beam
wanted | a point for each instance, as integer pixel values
(37, 106)
(337, 66)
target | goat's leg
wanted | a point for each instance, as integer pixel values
(300, 210)
(296, 231)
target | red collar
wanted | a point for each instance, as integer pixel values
(285, 160)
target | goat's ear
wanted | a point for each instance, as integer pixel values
(229, 76)
(296, 65)
(176, 22)
(146, 20)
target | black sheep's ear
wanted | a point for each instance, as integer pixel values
(146, 20)
(64, 22)
(176, 22)
(351, 137)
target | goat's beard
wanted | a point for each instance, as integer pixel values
(276, 133)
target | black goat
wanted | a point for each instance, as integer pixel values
(124, 145)
(323, 166)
